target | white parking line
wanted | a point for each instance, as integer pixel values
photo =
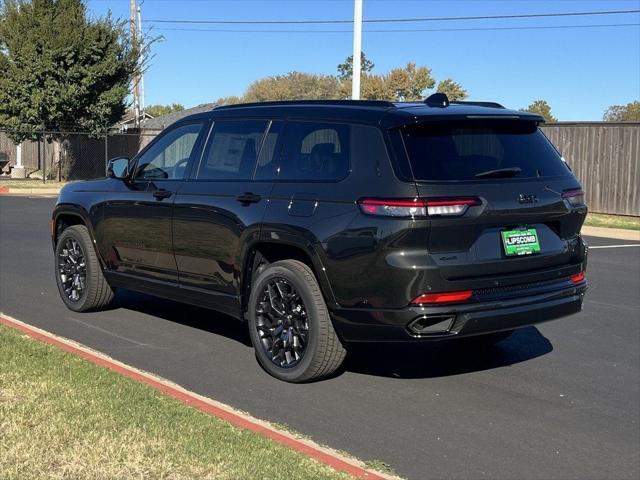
(614, 246)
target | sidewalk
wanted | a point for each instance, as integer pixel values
(617, 233)
(29, 191)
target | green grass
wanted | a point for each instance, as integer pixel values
(63, 417)
(612, 221)
(30, 183)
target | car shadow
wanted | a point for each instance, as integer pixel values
(396, 360)
(184, 314)
(444, 358)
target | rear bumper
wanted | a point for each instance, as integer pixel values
(444, 322)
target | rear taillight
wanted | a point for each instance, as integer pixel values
(416, 207)
(393, 207)
(574, 197)
(443, 297)
(577, 278)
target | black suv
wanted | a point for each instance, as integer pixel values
(321, 223)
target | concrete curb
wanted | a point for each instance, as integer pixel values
(617, 233)
(224, 412)
(29, 191)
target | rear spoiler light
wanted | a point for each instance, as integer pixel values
(417, 207)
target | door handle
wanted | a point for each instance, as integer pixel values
(248, 197)
(162, 193)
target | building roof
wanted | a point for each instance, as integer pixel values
(163, 121)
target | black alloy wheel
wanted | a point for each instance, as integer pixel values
(81, 283)
(281, 323)
(72, 268)
(290, 325)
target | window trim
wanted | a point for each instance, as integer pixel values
(196, 146)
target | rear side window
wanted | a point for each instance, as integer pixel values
(315, 151)
(480, 150)
(232, 150)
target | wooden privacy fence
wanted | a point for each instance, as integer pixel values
(606, 158)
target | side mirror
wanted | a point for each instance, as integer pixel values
(118, 168)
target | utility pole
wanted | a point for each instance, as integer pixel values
(357, 49)
(140, 37)
(133, 10)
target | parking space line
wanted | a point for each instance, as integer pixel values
(615, 246)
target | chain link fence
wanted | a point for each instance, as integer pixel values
(62, 156)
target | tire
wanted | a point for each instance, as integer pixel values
(323, 352)
(95, 293)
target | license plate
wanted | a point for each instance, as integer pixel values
(520, 242)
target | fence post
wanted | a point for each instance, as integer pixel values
(44, 156)
(106, 151)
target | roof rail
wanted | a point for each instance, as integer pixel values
(361, 103)
(478, 104)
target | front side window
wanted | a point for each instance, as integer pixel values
(315, 151)
(232, 150)
(168, 157)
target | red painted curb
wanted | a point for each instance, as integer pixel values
(4, 189)
(236, 420)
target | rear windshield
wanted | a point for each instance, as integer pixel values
(480, 150)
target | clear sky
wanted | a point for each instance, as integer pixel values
(579, 71)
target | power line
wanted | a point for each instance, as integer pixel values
(546, 27)
(396, 20)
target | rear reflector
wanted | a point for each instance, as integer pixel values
(574, 197)
(416, 207)
(577, 278)
(443, 297)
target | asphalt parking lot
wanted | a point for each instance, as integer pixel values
(561, 400)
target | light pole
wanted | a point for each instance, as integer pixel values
(357, 49)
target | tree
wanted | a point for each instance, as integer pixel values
(345, 70)
(293, 86)
(623, 113)
(541, 107)
(159, 110)
(62, 68)
(410, 82)
(231, 100)
(453, 90)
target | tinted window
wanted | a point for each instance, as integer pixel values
(232, 150)
(462, 150)
(167, 158)
(315, 151)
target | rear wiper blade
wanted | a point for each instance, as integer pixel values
(500, 172)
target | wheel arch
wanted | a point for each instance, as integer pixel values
(266, 252)
(67, 215)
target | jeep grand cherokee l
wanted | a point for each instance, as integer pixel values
(320, 223)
